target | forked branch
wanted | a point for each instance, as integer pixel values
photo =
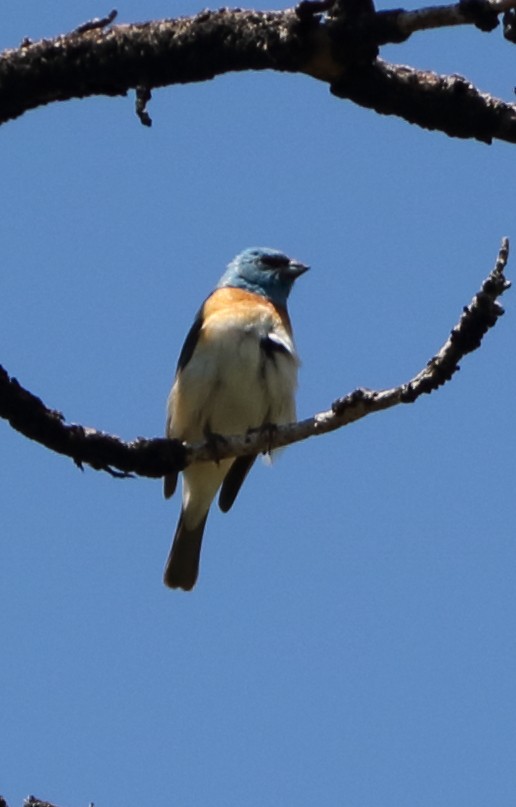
(334, 41)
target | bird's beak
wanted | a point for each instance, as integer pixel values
(295, 269)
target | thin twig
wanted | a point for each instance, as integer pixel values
(97, 24)
(143, 96)
(482, 13)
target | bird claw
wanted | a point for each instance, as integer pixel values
(269, 429)
(213, 442)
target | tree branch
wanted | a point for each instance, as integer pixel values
(449, 104)
(31, 801)
(336, 42)
(153, 458)
(482, 13)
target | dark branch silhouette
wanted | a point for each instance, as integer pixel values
(335, 42)
(153, 458)
(31, 801)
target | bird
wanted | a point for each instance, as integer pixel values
(237, 371)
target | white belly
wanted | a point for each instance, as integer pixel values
(231, 384)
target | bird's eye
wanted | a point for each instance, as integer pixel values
(275, 261)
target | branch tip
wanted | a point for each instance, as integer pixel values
(307, 9)
(117, 474)
(481, 13)
(143, 96)
(509, 25)
(97, 23)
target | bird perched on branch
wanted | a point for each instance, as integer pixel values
(237, 371)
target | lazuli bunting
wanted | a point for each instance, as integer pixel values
(237, 371)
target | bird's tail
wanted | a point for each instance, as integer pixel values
(182, 566)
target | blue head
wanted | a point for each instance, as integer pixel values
(263, 271)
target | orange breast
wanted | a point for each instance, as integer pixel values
(239, 304)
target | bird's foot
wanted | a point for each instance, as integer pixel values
(214, 442)
(270, 430)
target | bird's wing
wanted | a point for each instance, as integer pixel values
(192, 337)
(187, 351)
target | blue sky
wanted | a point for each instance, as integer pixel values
(352, 638)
